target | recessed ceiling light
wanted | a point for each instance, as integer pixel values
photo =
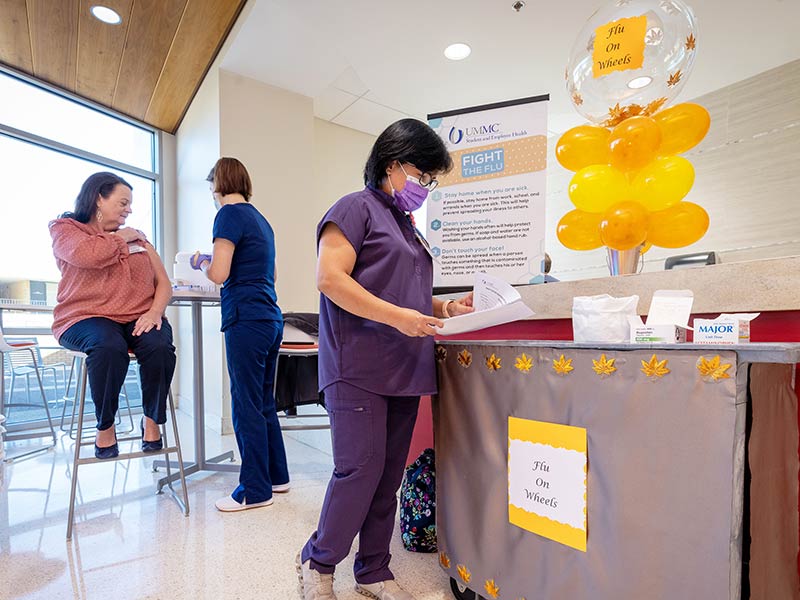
(106, 15)
(640, 82)
(457, 51)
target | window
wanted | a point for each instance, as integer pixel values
(49, 144)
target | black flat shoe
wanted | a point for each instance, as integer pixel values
(150, 446)
(106, 453)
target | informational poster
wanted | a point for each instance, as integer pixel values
(488, 213)
(547, 470)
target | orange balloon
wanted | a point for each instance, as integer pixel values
(596, 187)
(647, 245)
(682, 127)
(633, 143)
(678, 226)
(624, 225)
(579, 230)
(582, 146)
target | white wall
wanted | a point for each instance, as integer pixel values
(299, 165)
(746, 174)
(197, 151)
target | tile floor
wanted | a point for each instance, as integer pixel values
(130, 543)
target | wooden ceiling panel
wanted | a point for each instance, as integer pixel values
(100, 49)
(15, 41)
(54, 40)
(148, 67)
(153, 24)
(200, 34)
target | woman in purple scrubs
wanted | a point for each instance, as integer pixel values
(376, 354)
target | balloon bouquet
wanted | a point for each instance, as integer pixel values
(629, 61)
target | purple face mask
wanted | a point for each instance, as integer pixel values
(412, 196)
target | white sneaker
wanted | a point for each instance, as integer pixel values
(383, 590)
(313, 584)
(281, 488)
(228, 504)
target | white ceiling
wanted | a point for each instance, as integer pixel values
(367, 63)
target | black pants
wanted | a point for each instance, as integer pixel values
(106, 345)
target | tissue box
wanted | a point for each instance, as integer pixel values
(725, 329)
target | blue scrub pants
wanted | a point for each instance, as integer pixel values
(106, 345)
(252, 351)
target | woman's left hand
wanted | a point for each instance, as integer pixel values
(146, 322)
(461, 306)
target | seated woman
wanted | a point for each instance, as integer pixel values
(111, 298)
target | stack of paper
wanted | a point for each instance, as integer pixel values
(495, 302)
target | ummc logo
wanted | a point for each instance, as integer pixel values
(457, 135)
(716, 328)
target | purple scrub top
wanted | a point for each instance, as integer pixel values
(392, 264)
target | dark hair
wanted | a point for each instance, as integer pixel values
(548, 263)
(230, 177)
(99, 184)
(406, 141)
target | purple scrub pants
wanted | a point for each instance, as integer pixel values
(371, 437)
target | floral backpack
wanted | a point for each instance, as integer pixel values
(418, 504)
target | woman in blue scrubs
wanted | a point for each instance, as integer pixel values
(244, 261)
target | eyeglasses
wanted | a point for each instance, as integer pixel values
(426, 180)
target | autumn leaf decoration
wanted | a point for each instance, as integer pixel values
(444, 560)
(464, 573)
(524, 363)
(493, 363)
(712, 369)
(465, 358)
(655, 368)
(441, 353)
(577, 98)
(604, 366)
(563, 366)
(691, 42)
(674, 78)
(491, 588)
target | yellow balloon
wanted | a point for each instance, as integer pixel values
(582, 146)
(596, 187)
(624, 225)
(579, 230)
(678, 226)
(663, 182)
(633, 143)
(647, 245)
(682, 127)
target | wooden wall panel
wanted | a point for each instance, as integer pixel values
(15, 41)
(54, 40)
(100, 49)
(201, 32)
(153, 24)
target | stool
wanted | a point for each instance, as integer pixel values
(288, 351)
(74, 370)
(80, 394)
(12, 349)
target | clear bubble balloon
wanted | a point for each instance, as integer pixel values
(631, 58)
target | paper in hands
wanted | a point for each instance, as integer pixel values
(495, 302)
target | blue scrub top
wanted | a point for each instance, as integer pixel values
(249, 292)
(392, 264)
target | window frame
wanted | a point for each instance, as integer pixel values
(48, 144)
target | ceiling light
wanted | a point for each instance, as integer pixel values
(457, 51)
(106, 15)
(640, 82)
